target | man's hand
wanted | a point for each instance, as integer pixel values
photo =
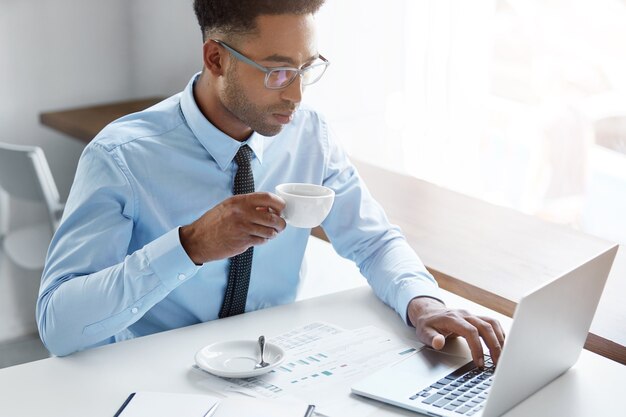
(232, 226)
(434, 322)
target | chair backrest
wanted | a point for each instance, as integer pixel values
(25, 174)
(4, 213)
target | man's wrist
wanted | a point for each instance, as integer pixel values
(186, 236)
(419, 305)
(425, 300)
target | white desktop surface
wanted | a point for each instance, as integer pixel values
(95, 382)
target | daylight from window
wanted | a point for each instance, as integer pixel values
(519, 103)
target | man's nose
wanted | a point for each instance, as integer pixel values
(293, 92)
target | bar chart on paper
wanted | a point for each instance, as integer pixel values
(317, 360)
(337, 358)
(342, 358)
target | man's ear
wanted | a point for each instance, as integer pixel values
(213, 57)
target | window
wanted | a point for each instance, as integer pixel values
(521, 103)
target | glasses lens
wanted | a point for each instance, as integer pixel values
(313, 73)
(280, 78)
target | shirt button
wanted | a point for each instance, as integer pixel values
(181, 277)
(134, 310)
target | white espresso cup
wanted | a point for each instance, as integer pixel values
(307, 205)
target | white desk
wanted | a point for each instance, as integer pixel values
(95, 382)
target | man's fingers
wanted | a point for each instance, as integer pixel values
(459, 325)
(256, 241)
(432, 337)
(256, 230)
(433, 321)
(266, 217)
(265, 199)
(454, 325)
(438, 342)
(454, 322)
(488, 334)
(497, 328)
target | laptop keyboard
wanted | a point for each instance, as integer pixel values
(463, 391)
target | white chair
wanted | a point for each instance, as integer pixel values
(25, 175)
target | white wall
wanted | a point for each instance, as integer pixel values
(54, 54)
(166, 46)
(59, 54)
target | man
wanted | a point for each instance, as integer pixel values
(152, 236)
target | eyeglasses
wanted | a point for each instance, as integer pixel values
(281, 77)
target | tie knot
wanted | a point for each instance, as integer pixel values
(243, 156)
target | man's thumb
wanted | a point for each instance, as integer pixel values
(435, 339)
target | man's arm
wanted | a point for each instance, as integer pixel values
(91, 288)
(359, 230)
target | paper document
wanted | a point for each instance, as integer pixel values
(322, 361)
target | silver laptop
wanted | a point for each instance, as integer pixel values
(549, 330)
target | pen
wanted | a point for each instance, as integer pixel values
(211, 410)
(309, 411)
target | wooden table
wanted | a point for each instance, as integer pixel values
(494, 255)
(84, 123)
(485, 253)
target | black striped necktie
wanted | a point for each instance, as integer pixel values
(240, 265)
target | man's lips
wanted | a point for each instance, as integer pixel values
(283, 118)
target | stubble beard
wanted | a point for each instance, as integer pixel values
(252, 115)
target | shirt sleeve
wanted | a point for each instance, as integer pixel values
(359, 230)
(91, 288)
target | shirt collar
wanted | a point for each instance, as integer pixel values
(218, 144)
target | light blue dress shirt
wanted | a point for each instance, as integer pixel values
(116, 268)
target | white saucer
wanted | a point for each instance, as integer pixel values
(237, 358)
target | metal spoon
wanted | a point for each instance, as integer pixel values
(261, 364)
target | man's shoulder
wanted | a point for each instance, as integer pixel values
(310, 113)
(155, 121)
(309, 120)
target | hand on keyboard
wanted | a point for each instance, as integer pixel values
(434, 322)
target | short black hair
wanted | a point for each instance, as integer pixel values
(239, 16)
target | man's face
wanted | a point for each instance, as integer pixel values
(282, 41)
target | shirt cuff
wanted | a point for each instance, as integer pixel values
(413, 291)
(169, 261)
